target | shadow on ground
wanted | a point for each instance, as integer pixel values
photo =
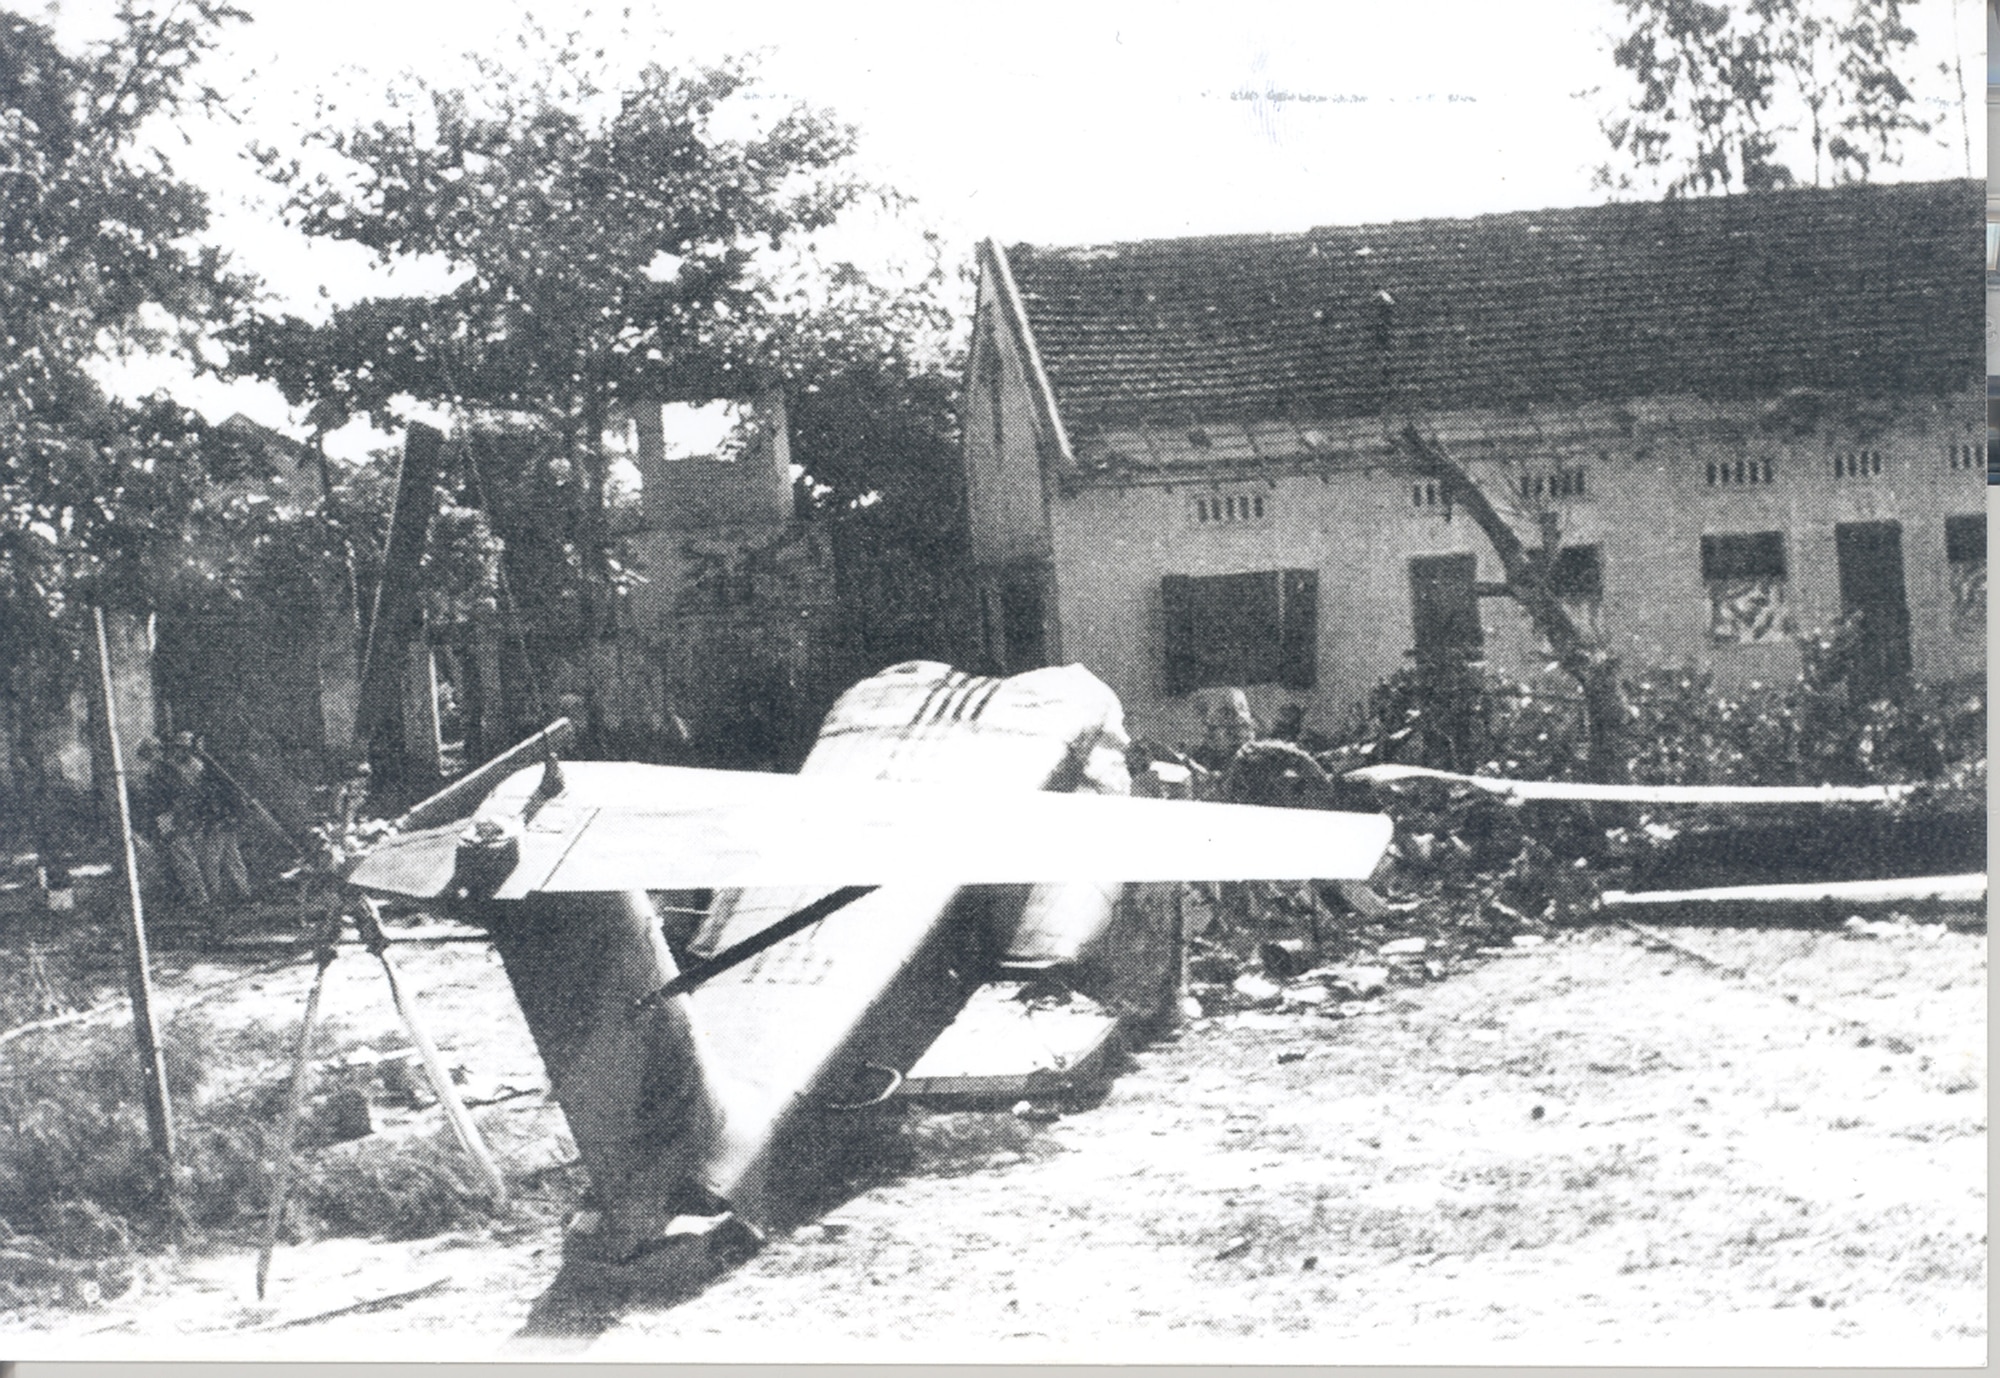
(589, 1296)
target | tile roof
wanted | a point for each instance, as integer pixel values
(1870, 290)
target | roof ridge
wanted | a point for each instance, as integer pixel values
(1866, 288)
(1669, 205)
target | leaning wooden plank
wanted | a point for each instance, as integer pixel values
(1969, 889)
(1582, 793)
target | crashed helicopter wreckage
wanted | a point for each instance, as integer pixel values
(947, 832)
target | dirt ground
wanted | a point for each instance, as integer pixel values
(1599, 1149)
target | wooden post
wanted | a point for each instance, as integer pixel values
(423, 734)
(394, 620)
(138, 975)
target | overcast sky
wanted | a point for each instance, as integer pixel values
(1053, 122)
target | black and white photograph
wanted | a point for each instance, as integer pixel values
(1088, 683)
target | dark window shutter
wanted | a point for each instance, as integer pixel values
(1298, 662)
(1965, 538)
(1578, 572)
(1177, 602)
(1444, 608)
(1245, 621)
(1238, 629)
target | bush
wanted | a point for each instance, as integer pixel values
(1682, 729)
(80, 1194)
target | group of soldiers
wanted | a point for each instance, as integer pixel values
(190, 813)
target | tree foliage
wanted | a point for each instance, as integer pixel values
(880, 441)
(99, 255)
(1754, 95)
(607, 244)
(601, 242)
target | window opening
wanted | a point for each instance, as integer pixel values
(1577, 580)
(1558, 483)
(1874, 608)
(1430, 494)
(1965, 551)
(1746, 576)
(1444, 608)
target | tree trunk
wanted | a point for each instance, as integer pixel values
(1595, 672)
(599, 603)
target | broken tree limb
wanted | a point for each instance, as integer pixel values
(110, 1007)
(355, 1308)
(190, 997)
(1653, 935)
(370, 922)
(1595, 673)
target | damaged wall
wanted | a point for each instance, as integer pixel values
(734, 631)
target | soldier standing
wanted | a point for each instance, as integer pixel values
(173, 787)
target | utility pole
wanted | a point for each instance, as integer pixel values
(138, 974)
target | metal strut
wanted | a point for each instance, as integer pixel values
(738, 953)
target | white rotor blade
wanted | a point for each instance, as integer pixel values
(619, 826)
